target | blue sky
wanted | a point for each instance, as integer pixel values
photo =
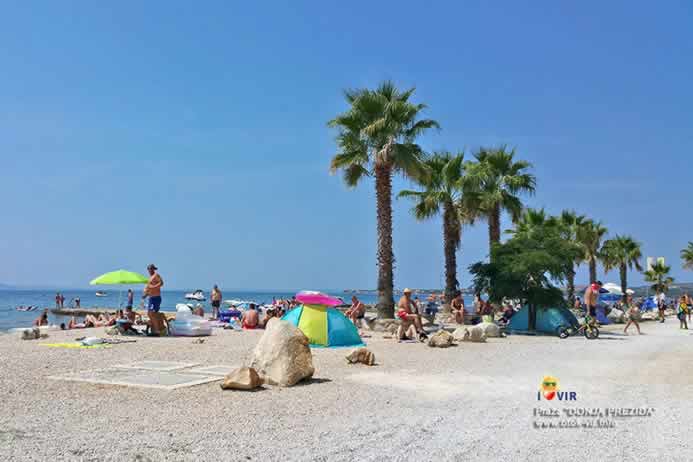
(194, 134)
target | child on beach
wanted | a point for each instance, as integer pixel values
(633, 315)
(682, 313)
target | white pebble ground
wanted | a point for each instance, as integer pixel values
(470, 402)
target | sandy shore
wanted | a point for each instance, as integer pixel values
(471, 402)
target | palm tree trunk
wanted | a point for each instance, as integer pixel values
(494, 227)
(450, 241)
(624, 280)
(386, 258)
(571, 287)
(593, 269)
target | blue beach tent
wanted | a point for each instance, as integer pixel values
(549, 320)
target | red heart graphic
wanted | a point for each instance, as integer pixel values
(549, 395)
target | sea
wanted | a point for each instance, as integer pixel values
(10, 299)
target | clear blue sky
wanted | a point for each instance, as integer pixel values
(193, 134)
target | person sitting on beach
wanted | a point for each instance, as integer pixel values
(269, 314)
(487, 311)
(73, 324)
(356, 311)
(199, 311)
(457, 307)
(250, 318)
(406, 311)
(42, 320)
(508, 312)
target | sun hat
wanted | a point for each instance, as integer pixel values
(407, 291)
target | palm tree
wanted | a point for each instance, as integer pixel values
(442, 192)
(622, 252)
(687, 256)
(494, 184)
(531, 221)
(377, 137)
(590, 235)
(570, 223)
(659, 276)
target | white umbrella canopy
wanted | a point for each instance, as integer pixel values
(613, 288)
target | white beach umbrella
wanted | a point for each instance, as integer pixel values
(613, 288)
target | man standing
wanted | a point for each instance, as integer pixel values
(592, 299)
(131, 299)
(216, 301)
(153, 291)
(57, 299)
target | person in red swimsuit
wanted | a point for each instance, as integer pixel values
(250, 318)
(407, 312)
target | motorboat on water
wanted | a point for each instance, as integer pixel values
(27, 308)
(101, 294)
(198, 295)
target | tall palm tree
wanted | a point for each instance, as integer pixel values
(623, 252)
(495, 183)
(590, 235)
(570, 222)
(442, 192)
(658, 275)
(687, 256)
(377, 138)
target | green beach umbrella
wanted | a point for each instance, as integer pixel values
(120, 277)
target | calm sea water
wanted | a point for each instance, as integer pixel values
(11, 299)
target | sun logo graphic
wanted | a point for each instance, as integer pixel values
(549, 389)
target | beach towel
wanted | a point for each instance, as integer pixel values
(75, 345)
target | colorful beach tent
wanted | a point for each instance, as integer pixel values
(324, 325)
(549, 320)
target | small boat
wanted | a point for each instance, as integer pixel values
(27, 308)
(101, 294)
(198, 295)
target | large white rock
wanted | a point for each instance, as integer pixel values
(616, 316)
(282, 356)
(470, 334)
(490, 329)
(441, 339)
(244, 378)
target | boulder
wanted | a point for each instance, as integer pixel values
(361, 355)
(649, 315)
(470, 334)
(616, 316)
(31, 334)
(282, 356)
(441, 339)
(244, 378)
(490, 329)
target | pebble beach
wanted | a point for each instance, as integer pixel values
(473, 401)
